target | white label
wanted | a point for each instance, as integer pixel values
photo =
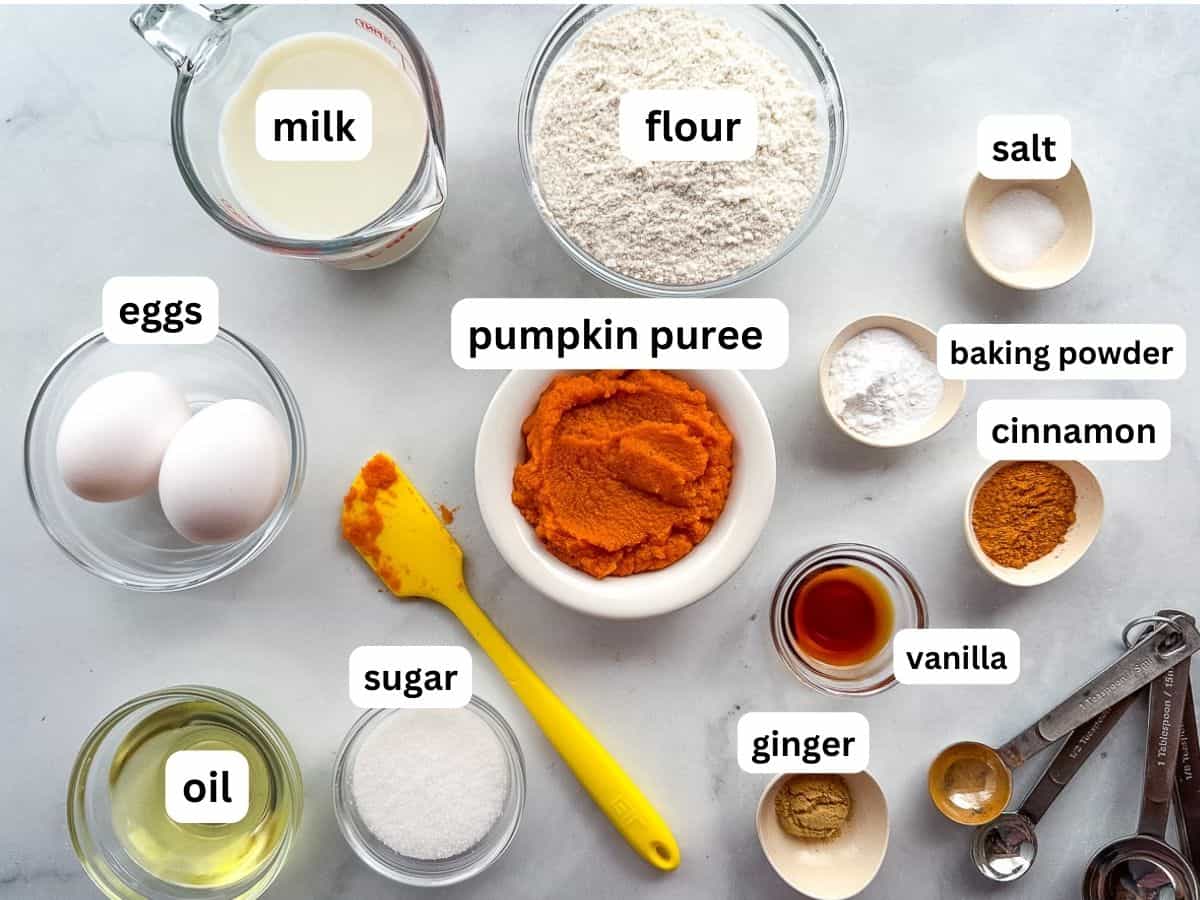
(1032, 147)
(313, 125)
(170, 309)
(838, 742)
(957, 656)
(693, 124)
(1074, 429)
(207, 787)
(410, 677)
(713, 333)
(1058, 352)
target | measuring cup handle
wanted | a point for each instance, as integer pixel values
(1070, 759)
(1187, 782)
(1166, 645)
(183, 34)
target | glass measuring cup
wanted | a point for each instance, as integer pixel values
(971, 783)
(213, 50)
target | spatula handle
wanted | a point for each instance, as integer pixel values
(603, 778)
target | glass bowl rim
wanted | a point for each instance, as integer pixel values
(790, 24)
(796, 664)
(296, 470)
(278, 746)
(348, 822)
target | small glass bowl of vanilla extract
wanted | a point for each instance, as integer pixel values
(835, 613)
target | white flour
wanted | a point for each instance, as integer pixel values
(672, 222)
(882, 383)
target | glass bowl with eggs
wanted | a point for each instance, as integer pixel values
(164, 467)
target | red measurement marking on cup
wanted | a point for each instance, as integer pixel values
(375, 31)
(236, 214)
(393, 242)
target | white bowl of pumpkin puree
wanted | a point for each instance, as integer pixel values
(625, 494)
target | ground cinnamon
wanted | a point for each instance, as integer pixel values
(1023, 512)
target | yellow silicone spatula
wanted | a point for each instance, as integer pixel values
(401, 538)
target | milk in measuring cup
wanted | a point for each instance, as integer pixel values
(321, 200)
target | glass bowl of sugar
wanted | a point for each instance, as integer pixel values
(678, 228)
(430, 797)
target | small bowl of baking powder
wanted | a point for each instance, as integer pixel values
(880, 383)
(672, 228)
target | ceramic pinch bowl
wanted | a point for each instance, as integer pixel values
(838, 868)
(1060, 263)
(953, 392)
(1089, 511)
(501, 447)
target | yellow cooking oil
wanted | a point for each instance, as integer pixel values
(191, 855)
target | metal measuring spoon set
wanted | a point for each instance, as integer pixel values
(1143, 866)
(1005, 848)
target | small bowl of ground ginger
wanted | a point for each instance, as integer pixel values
(825, 835)
(1027, 522)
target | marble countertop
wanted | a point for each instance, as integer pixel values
(90, 190)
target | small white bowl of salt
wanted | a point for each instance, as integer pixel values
(880, 383)
(1030, 235)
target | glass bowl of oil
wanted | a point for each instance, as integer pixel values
(835, 613)
(117, 817)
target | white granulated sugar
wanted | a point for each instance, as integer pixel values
(672, 222)
(430, 783)
(1019, 226)
(882, 384)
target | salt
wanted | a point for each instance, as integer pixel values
(1019, 226)
(430, 783)
(882, 384)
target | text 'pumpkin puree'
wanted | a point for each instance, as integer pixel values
(626, 471)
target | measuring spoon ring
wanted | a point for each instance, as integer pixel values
(1005, 849)
(1144, 866)
(971, 783)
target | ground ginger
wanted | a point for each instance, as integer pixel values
(814, 807)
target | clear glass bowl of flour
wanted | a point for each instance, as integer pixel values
(410, 869)
(776, 28)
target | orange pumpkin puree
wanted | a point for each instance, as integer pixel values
(626, 471)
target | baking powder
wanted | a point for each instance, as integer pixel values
(882, 384)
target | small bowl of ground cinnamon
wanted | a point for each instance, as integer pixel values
(1028, 522)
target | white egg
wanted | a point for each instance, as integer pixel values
(112, 439)
(224, 472)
